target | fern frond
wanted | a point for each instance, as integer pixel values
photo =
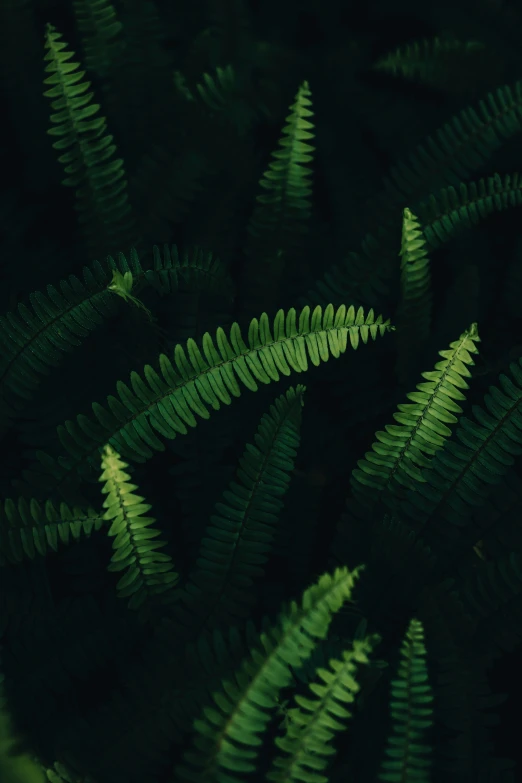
(445, 159)
(222, 94)
(87, 152)
(149, 573)
(238, 539)
(408, 755)
(99, 27)
(207, 377)
(442, 63)
(197, 268)
(401, 451)
(414, 312)
(27, 529)
(230, 732)
(34, 340)
(313, 724)
(280, 220)
(461, 474)
(453, 209)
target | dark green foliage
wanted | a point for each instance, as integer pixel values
(407, 754)
(234, 193)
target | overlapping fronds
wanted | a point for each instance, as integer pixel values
(313, 724)
(461, 474)
(166, 404)
(229, 733)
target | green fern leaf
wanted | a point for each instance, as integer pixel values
(238, 539)
(401, 451)
(280, 221)
(443, 217)
(443, 63)
(313, 724)
(408, 756)
(201, 378)
(28, 530)
(230, 732)
(99, 26)
(461, 475)
(149, 573)
(34, 340)
(414, 312)
(458, 148)
(86, 152)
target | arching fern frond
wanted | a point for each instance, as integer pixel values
(87, 152)
(443, 216)
(407, 754)
(149, 573)
(438, 62)
(401, 451)
(461, 474)
(27, 529)
(313, 724)
(167, 404)
(32, 341)
(230, 731)
(238, 539)
(414, 312)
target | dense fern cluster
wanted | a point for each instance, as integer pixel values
(182, 596)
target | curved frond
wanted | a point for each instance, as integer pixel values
(167, 404)
(230, 732)
(27, 529)
(313, 724)
(445, 63)
(149, 573)
(407, 754)
(442, 217)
